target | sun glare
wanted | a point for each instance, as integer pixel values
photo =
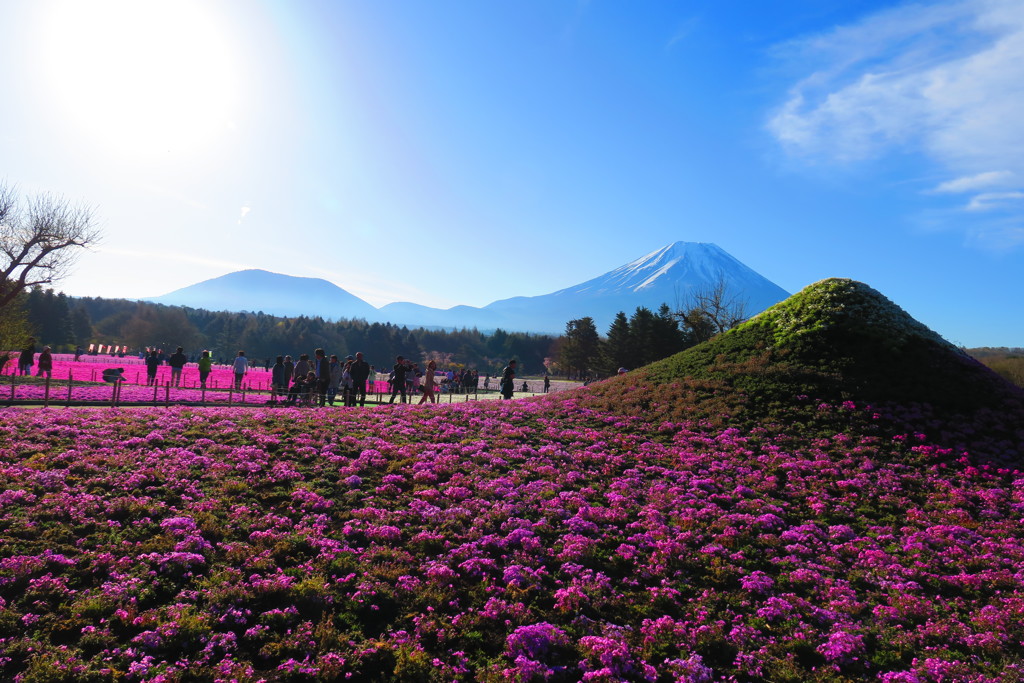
(144, 78)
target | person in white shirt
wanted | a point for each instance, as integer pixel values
(240, 366)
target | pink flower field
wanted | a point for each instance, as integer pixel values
(499, 541)
(87, 385)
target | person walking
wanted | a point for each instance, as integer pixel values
(27, 357)
(205, 366)
(508, 378)
(240, 366)
(177, 362)
(398, 379)
(45, 363)
(428, 383)
(152, 363)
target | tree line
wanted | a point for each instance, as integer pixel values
(64, 323)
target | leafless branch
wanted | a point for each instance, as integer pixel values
(40, 240)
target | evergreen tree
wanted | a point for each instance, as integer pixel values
(580, 347)
(618, 352)
(641, 334)
(81, 327)
(668, 338)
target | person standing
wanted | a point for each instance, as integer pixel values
(45, 363)
(415, 377)
(289, 371)
(547, 383)
(508, 378)
(322, 368)
(27, 358)
(278, 383)
(429, 383)
(152, 363)
(360, 374)
(240, 366)
(348, 387)
(336, 380)
(398, 379)
(205, 366)
(302, 367)
(177, 362)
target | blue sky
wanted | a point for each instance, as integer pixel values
(458, 152)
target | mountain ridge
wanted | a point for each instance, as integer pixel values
(666, 275)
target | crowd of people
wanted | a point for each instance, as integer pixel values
(321, 380)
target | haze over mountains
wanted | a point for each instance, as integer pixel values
(667, 275)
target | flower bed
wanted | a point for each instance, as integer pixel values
(501, 541)
(87, 385)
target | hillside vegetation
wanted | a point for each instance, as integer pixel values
(828, 493)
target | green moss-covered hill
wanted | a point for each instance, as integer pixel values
(837, 340)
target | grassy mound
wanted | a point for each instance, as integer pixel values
(837, 340)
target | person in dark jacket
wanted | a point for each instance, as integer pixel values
(322, 368)
(177, 362)
(360, 374)
(508, 378)
(27, 358)
(398, 376)
(152, 363)
(278, 380)
(45, 363)
(289, 370)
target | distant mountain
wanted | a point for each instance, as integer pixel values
(271, 293)
(668, 275)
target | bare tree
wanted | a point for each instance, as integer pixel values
(40, 239)
(710, 310)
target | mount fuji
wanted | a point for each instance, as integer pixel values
(668, 275)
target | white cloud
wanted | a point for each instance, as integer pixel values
(975, 182)
(944, 79)
(243, 213)
(988, 201)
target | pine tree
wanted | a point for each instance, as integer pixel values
(618, 352)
